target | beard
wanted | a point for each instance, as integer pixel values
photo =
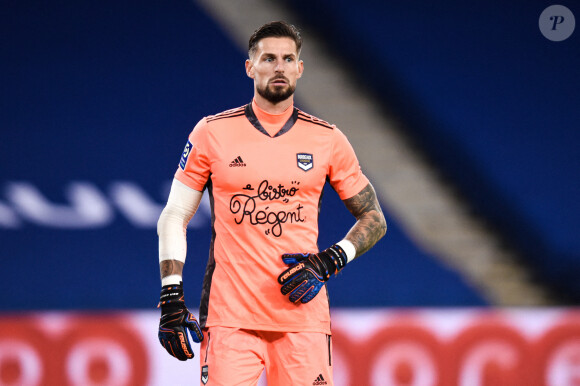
(276, 94)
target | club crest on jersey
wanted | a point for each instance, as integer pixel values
(185, 155)
(305, 161)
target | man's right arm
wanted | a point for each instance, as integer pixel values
(171, 229)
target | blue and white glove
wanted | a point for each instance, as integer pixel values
(309, 271)
(174, 323)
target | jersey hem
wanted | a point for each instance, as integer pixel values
(185, 179)
(268, 327)
(363, 182)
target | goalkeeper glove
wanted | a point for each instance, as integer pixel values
(175, 319)
(309, 271)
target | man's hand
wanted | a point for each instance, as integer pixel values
(174, 322)
(308, 272)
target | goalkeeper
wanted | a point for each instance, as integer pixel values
(264, 305)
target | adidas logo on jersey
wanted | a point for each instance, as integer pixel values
(319, 381)
(238, 162)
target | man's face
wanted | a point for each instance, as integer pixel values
(275, 68)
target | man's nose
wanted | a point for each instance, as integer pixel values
(279, 67)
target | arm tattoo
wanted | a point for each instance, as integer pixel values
(370, 225)
(170, 267)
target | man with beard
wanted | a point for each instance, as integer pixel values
(264, 303)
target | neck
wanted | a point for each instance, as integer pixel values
(273, 108)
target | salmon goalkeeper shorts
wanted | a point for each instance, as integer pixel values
(233, 356)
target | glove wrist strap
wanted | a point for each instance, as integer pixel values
(338, 257)
(171, 296)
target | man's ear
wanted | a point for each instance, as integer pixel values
(300, 69)
(249, 68)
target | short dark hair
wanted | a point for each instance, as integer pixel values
(278, 29)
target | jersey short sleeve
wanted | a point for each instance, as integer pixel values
(345, 174)
(194, 165)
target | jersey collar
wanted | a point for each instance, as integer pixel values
(251, 115)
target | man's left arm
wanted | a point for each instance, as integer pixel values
(370, 223)
(308, 272)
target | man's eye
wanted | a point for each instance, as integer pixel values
(268, 60)
(289, 60)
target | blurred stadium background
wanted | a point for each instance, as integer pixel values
(463, 115)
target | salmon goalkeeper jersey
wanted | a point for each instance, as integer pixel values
(265, 175)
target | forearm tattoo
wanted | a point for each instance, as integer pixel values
(170, 267)
(370, 225)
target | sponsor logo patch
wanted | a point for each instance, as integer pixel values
(305, 161)
(185, 155)
(319, 381)
(237, 162)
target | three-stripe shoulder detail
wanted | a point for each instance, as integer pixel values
(312, 119)
(238, 111)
